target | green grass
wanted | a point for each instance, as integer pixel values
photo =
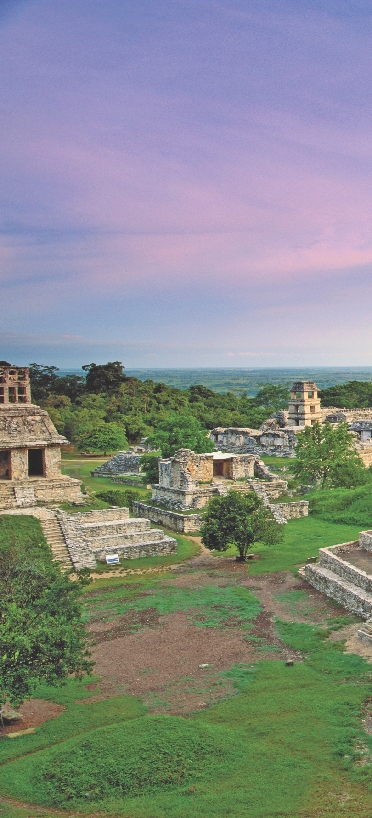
(77, 719)
(185, 550)
(23, 530)
(278, 462)
(284, 746)
(210, 605)
(348, 506)
(81, 470)
(302, 539)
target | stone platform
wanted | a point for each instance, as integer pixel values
(93, 535)
(344, 573)
(26, 493)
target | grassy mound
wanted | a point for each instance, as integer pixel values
(146, 755)
(209, 606)
(349, 506)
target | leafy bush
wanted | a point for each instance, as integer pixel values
(150, 466)
(42, 636)
(119, 497)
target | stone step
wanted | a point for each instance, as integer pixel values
(345, 570)
(54, 537)
(167, 545)
(94, 530)
(348, 594)
(134, 538)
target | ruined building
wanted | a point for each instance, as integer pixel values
(189, 480)
(30, 448)
(304, 404)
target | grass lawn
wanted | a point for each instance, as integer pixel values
(302, 539)
(289, 743)
(278, 462)
(81, 470)
(285, 742)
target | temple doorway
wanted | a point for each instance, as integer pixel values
(35, 463)
(5, 464)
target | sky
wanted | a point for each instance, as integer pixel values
(186, 183)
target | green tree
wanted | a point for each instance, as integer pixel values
(150, 468)
(42, 636)
(104, 377)
(239, 520)
(43, 380)
(351, 395)
(105, 438)
(324, 453)
(272, 397)
(180, 432)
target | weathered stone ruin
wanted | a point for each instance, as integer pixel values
(93, 535)
(30, 448)
(271, 439)
(304, 404)
(344, 573)
(188, 481)
(122, 464)
(277, 435)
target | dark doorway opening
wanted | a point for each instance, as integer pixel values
(5, 465)
(218, 468)
(35, 463)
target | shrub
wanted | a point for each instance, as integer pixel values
(119, 497)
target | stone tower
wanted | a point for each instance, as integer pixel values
(30, 448)
(304, 404)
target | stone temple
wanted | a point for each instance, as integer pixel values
(30, 448)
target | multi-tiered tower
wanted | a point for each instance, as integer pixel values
(30, 447)
(304, 404)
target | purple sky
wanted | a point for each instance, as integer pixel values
(186, 182)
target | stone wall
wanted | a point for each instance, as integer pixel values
(103, 515)
(348, 595)
(77, 543)
(19, 464)
(182, 499)
(365, 540)
(148, 549)
(52, 460)
(183, 523)
(122, 463)
(292, 511)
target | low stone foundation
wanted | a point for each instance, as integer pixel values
(183, 523)
(292, 511)
(93, 535)
(23, 493)
(337, 576)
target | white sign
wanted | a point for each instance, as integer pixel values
(112, 559)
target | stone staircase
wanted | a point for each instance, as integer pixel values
(92, 536)
(338, 579)
(7, 498)
(54, 537)
(261, 492)
(365, 632)
(127, 537)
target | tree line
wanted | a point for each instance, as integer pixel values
(105, 410)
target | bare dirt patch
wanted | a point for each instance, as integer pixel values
(162, 666)
(34, 712)
(360, 558)
(349, 635)
(315, 608)
(122, 625)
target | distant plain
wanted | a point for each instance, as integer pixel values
(246, 380)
